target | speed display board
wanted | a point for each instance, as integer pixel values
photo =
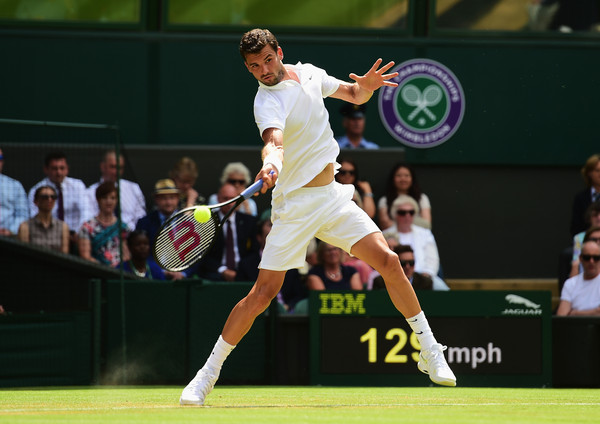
(494, 338)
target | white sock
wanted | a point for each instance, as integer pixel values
(420, 326)
(218, 355)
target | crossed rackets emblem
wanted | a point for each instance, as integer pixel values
(430, 96)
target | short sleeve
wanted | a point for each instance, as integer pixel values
(329, 84)
(567, 291)
(268, 112)
(424, 202)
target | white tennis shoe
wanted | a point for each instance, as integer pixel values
(200, 386)
(433, 363)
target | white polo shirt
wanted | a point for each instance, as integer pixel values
(298, 110)
(582, 294)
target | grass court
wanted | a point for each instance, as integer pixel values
(290, 405)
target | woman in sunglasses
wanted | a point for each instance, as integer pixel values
(406, 232)
(363, 194)
(43, 229)
(238, 175)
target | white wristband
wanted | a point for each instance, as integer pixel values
(273, 159)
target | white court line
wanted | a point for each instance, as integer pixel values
(349, 405)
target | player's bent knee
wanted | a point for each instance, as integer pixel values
(390, 264)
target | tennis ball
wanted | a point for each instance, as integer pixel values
(202, 214)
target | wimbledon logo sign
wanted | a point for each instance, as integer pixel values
(426, 108)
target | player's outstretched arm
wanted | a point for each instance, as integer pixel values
(363, 87)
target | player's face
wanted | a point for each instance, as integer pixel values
(266, 65)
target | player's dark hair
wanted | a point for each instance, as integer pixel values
(255, 40)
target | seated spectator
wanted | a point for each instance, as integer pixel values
(238, 175)
(427, 259)
(580, 295)
(330, 273)
(13, 203)
(44, 229)
(403, 180)
(293, 289)
(592, 217)
(100, 237)
(141, 263)
(166, 199)
(407, 261)
(184, 174)
(363, 194)
(591, 193)
(363, 268)
(354, 122)
(71, 204)
(133, 204)
(235, 242)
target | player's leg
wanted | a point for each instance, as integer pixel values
(238, 323)
(373, 249)
(256, 302)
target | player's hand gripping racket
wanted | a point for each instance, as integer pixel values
(183, 239)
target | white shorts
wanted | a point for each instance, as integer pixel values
(326, 212)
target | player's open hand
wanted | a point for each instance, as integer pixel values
(376, 78)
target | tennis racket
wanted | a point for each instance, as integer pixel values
(182, 240)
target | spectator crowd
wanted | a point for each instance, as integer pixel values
(61, 213)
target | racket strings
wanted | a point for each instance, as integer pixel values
(183, 241)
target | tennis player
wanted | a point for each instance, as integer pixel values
(300, 151)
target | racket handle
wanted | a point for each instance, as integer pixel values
(249, 192)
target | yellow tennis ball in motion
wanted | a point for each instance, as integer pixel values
(202, 214)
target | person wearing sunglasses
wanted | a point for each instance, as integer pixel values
(44, 229)
(238, 175)
(407, 261)
(592, 218)
(363, 194)
(422, 241)
(580, 295)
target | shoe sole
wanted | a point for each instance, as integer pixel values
(184, 402)
(447, 383)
